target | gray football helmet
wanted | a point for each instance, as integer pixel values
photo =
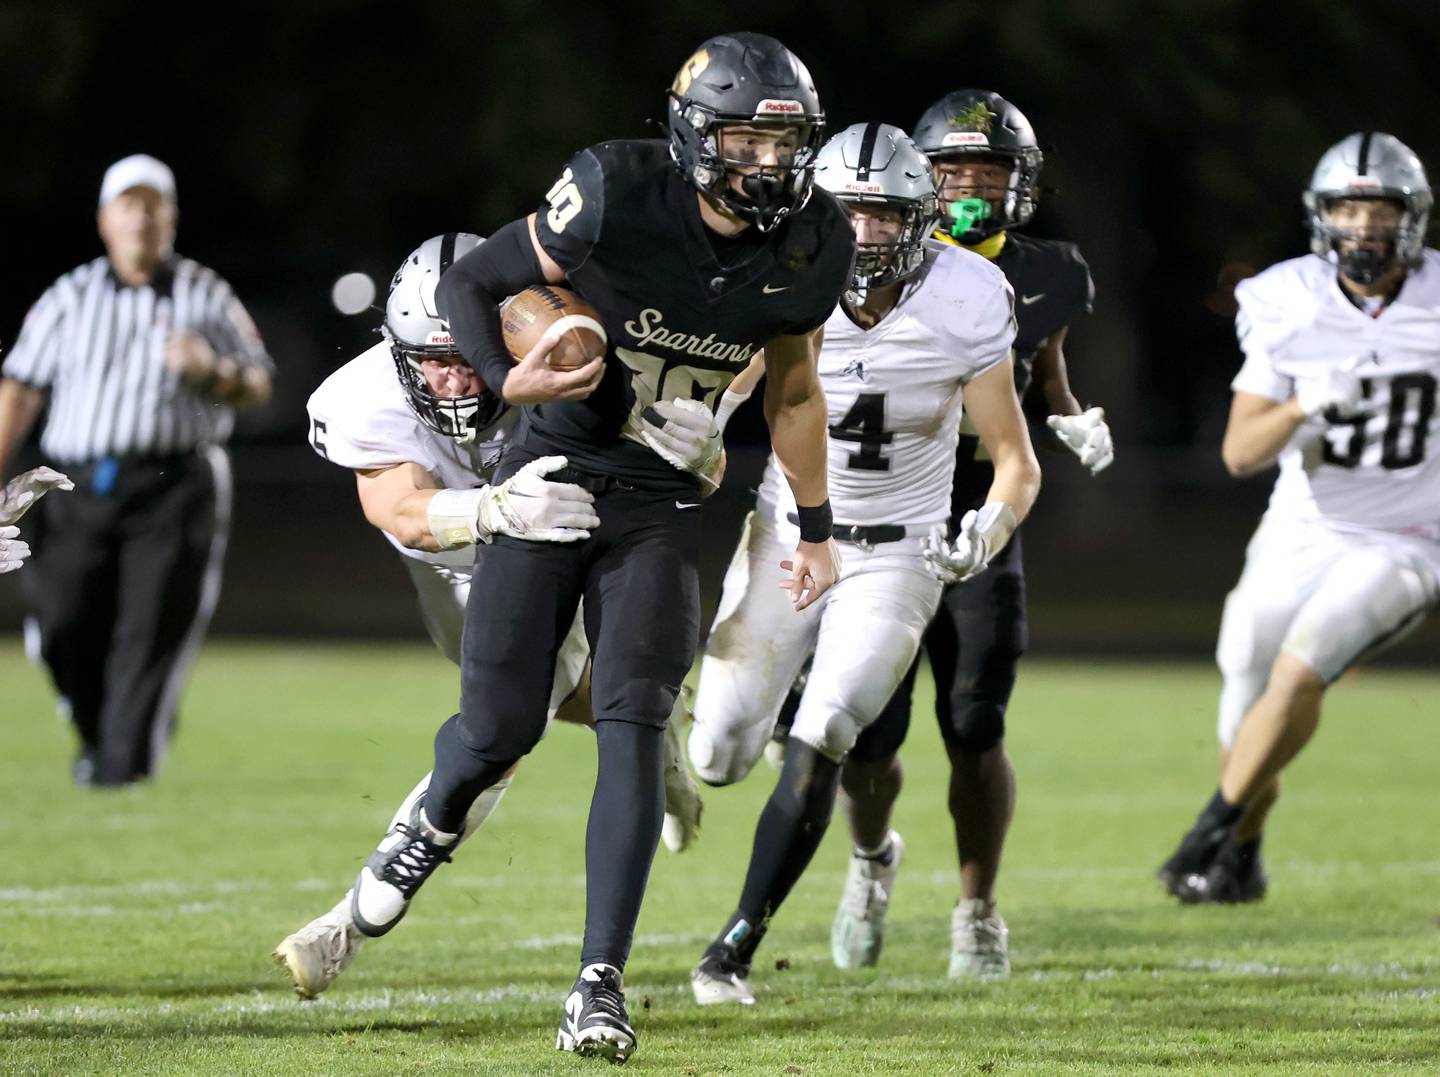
(876, 164)
(1369, 164)
(417, 332)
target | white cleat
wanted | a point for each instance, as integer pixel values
(979, 942)
(682, 797)
(717, 981)
(858, 932)
(315, 955)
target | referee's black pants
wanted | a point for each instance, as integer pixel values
(638, 575)
(122, 583)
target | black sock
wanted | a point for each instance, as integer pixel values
(789, 831)
(460, 776)
(740, 938)
(626, 814)
(1247, 853)
(1219, 814)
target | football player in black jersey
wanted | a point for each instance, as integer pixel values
(697, 251)
(986, 165)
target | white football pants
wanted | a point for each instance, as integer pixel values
(1328, 597)
(443, 592)
(864, 631)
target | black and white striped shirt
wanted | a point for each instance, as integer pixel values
(97, 346)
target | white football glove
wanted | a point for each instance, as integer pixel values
(1087, 435)
(529, 506)
(688, 437)
(982, 535)
(1338, 388)
(13, 549)
(21, 492)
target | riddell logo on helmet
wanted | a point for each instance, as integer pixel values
(439, 338)
(778, 107)
(1364, 181)
(964, 138)
(864, 188)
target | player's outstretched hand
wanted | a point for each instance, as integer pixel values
(529, 506)
(21, 492)
(534, 381)
(13, 549)
(976, 543)
(685, 435)
(1338, 388)
(813, 571)
(1087, 435)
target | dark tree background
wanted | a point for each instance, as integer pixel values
(310, 139)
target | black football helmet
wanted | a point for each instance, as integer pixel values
(981, 123)
(746, 80)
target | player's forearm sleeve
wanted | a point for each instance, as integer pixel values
(471, 291)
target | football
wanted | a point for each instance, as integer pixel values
(528, 315)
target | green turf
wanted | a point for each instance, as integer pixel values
(135, 927)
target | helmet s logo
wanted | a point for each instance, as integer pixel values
(690, 71)
(977, 117)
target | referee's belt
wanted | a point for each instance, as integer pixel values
(866, 536)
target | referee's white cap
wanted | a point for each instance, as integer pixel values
(137, 170)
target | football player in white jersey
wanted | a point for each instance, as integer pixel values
(422, 433)
(1342, 357)
(924, 328)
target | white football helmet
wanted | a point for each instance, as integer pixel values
(417, 332)
(1369, 164)
(877, 164)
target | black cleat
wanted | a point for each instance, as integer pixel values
(408, 855)
(1184, 874)
(1237, 877)
(595, 1024)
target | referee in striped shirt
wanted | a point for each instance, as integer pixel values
(142, 357)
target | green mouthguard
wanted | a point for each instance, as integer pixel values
(966, 214)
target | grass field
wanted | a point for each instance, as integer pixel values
(137, 925)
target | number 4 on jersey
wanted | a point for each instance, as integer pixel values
(865, 423)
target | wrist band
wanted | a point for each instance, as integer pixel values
(453, 517)
(816, 522)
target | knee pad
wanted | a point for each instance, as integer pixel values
(495, 737)
(722, 760)
(1369, 600)
(976, 725)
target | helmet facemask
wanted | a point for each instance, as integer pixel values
(878, 264)
(460, 417)
(1365, 252)
(985, 209)
(767, 192)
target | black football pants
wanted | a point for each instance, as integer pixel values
(639, 578)
(122, 583)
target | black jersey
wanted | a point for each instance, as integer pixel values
(1052, 286)
(682, 319)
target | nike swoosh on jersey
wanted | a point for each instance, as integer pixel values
(1028, 299)
(770, 289)
(687, 504)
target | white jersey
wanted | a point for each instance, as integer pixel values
(360, 419)
(1381, 469)
(894, 393)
